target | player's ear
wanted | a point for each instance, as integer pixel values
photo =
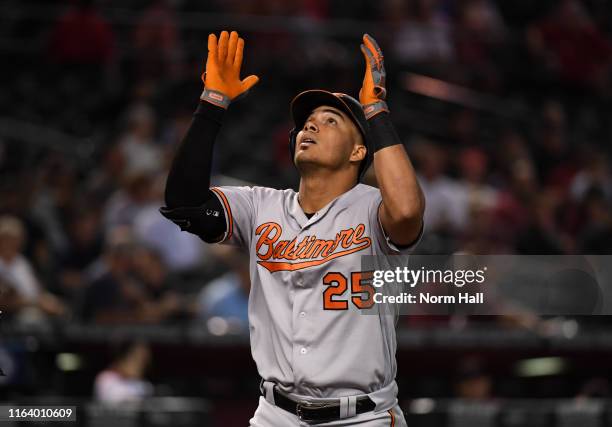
(359, 152)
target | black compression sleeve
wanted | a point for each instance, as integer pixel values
(189, 177)
(382, 132)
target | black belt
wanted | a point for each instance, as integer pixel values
(319, 411)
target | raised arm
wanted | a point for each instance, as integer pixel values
(403, 205)
(189, 201)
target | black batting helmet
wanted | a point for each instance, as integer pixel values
(303, 104)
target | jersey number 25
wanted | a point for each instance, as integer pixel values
(362, 292)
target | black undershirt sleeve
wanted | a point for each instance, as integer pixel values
(189, 177)
(190, 203)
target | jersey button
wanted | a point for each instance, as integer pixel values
(300, 282)
(303, 350)
(303, 314)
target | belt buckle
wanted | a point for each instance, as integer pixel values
(309, 405)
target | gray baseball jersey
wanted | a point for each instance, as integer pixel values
(307, 290)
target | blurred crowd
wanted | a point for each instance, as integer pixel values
(101, 93)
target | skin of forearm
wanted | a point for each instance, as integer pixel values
(403, 201)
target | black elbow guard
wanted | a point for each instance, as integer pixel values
(206, 221)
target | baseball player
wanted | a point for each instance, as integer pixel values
(320, 360)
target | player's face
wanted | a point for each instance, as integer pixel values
(328, 139)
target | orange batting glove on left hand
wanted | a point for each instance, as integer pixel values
(221, 79)
(372, 94)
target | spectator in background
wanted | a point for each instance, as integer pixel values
(555, 163)
(80, 72)
(162, 301)
(141, 152)
(422, 34)
(84, 247)
(30, 301)
(180, 252)
(228, 295)
(517, 182)
(131, 199)
(569, 45)
(594, 174)
(473, 164)
(102, 182)
(479, 234)
(173, 131)
(483, 234)
(123, 381)
(16, 195)
(479, 33)
(131, 286)
(109, 297)
(542, 235)
(82, 36)
(53, 199)
(84, 232)
(446, 209)
(158, 49)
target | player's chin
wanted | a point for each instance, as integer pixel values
(305, 160)
(305, 154)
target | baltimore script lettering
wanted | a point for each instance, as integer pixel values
(309, 252)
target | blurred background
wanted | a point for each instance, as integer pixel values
(504, 107)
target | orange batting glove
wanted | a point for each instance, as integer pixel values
(221, 79)
(372, 94)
